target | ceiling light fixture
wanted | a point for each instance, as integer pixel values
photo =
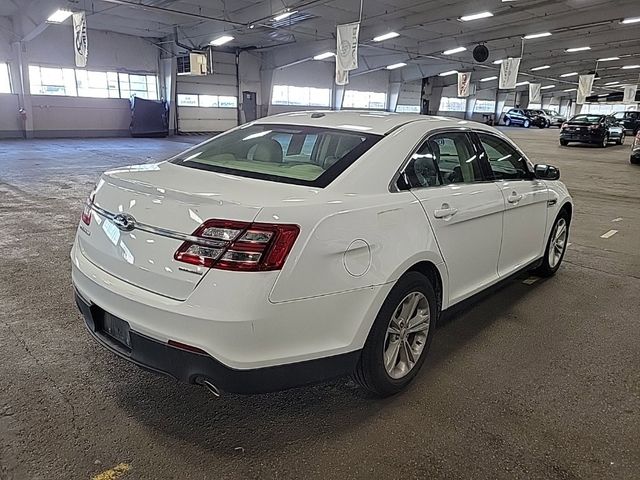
(537, 35)
(547, 87)
(446, 74)
(475, 16)
(543, 67)
(572, 74)
(498, 62)
(396, 65)
(322, 56)
(59, 16)
(608, 59)
(577, 49)
(284, 15)
(626, 21)
(630, 67)
(611, 83)
(520, 84)
(571, 90)
(488, 79)
(386, 36)
(454, 50)
(221, 40)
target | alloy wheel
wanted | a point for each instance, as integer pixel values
(558, 242)
(406, 335)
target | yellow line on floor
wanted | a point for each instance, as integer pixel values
(114, 473)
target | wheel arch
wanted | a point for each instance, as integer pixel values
(431, 271)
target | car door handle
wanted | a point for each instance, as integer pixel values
(514, 197)
(445, 212)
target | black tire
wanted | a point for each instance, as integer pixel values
(634, 160)
(605, 142)
(507, 122)
(370, 372)
(563, 142)
(526, 124)
(546, 269)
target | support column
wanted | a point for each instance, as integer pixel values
(393, 94)
(25, 113)
(471, 106)
(168, 77)
(266, 88)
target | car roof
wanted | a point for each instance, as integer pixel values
(366, 121)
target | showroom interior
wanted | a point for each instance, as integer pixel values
(534, 377)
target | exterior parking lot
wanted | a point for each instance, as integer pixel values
(537, 378)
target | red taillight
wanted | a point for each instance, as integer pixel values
(86, 211)
(231, 245)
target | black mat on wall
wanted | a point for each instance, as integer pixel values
(149, 118)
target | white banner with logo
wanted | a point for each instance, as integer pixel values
(535, 93)
(509, 73)
(80, 41)
(585, 85)
(346, 51)
(630, 94)
(464, 84)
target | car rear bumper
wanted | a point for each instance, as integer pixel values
(192, 367)
(581, 137)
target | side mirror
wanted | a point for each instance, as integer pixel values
(546, 172)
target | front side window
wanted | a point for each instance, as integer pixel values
(280, 153)
(505, 161)
(444, 159)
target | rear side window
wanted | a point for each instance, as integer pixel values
(281, 153)
(444, 159)
(505, 161)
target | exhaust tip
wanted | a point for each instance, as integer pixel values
(211, 387)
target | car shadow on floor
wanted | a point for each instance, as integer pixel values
(271, 422)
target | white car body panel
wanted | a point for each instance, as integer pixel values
(357, 237)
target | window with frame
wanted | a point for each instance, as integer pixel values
(52, 81)
(453, 104)
(444, 159)
(365, 100)
(505, 161)
(484, 106)
(301, 96)
(5, 81)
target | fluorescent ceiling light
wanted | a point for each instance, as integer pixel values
(476, 16)
(454, 50)
(608, 59)
(221, 40)
(572, 74)
(630, 67)
(59, 16)
(611, 83)
(488, 79)
(322, 56)
(547, 87)
(577, 49)
(543, 67)
(631, 20)
(450, 72)
(284, 15)
(396, 65)
(386, 36)
(498, 62)
(571, 90)
(537, 35)
(519, 84)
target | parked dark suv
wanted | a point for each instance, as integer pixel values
(526, 118)
(630, 120)
(592, 128)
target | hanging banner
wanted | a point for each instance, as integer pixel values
(535, 93)
(630, 94)
(80, 41)
(509, 73)
(346, 51)
(585, 84)
(464, 84)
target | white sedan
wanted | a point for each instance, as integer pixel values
(310, 245)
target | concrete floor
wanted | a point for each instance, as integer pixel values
(533, 381)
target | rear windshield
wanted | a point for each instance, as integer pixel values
(281, 153)
(587, 118)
